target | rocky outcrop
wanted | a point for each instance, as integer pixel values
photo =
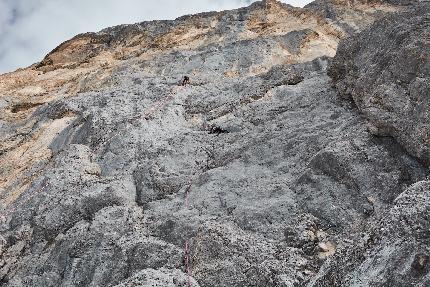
(386, 71)
(254, 174)
(354, 15)
(392, 252)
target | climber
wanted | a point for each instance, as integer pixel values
(217, 130)
(186, 81)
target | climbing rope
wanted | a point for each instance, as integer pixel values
(187, 250)
(149, 112)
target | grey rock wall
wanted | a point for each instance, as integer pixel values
(270, 197)
(388, 77)
(270, 179)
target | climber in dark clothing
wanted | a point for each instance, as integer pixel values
(186, 81)
(217, 130)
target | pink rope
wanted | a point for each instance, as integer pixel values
(187, 247)
(187, 263)
(151, 110)
(148, 112)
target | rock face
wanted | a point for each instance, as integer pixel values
(385, 70)
(389, 77)
(354, 15)
(392, 252)
(249, 41)
(255, 174)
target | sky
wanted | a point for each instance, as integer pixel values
(30, 29)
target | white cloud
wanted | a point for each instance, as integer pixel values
(29, 29)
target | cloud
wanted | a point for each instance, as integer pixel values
(29, 29)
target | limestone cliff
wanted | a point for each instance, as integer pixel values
(255, 174)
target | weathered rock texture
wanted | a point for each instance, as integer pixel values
(354, 15)
(389, 77)
(393, 251)
(108, 166)
(385, 70)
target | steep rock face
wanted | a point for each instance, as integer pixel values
(258, 159)
(250, 40)
(112, 172)
(386, 71)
